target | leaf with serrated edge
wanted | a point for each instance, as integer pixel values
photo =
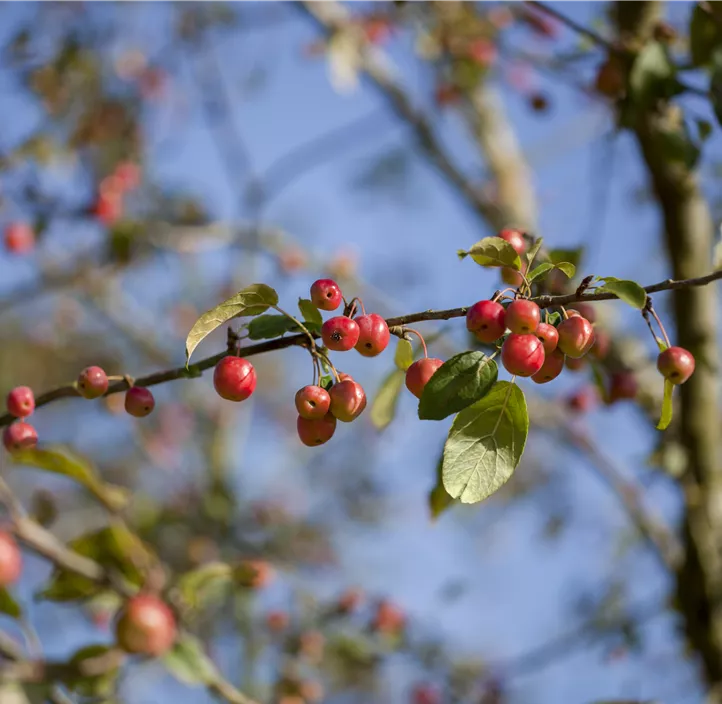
(252, 300)
(494, 251)
(383, 407)
(309, 312)
(188, 662)
(628, 291)
(667, 406)
(404, 355)
(457, 383)
(485, 444)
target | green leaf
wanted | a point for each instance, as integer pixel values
(494, 251)
(653, 75)
(573, 256)
(539, 270)
(252, 300)
(460, 381)
(485, 444)
(309, 312)
(265, 327)
(70, 465)
(101, 685)
(14, 693)
(628, 291)
(534, 250)
(205, 585)
(439, 499)
(704, 129)
(554, 319)
(188, 662)
(704, 35)
(667, 406)
(326, 382)
(383, 407)
(567, 267)
(8, 605)
(404, 356)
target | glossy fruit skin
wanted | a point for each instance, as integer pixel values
(523, 317)
(419, 373)
(316, 432)
(312, 402)
(146, 626)
(19, 435)
(576, 336)
(19, 238)
(340, 334)
(549, 336)
(11, 560)
(234, 378)
(586, 310)
(515, 239)
(485, 319)
(92, 382)
(623, 386)
(139, 401)
(21, 402)
(326, 294)
(348, 400)
(551, 369)
(676, 364)
(374, 335)
(522, 355)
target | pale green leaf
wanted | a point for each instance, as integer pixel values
(538, 271)
(494, 251)
(667, 406)
(203, 586)
(383, 407)
(309, 312)
(439, 499)
(404, 356)
(534, 250)
(188, 662)
(567, 267)
(268, 326)
(628, 291)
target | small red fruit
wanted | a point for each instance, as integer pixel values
(348, 400)
(486, 320)
(419, 373)
(576, 336)
(523, 317)
(548, 335)
(316, 432)
(388, 618)
(425, 694)
(108, 207)
(374, 335)
(312, 402)
(586, 310)
(128, 175)
(19, 238)
(551, 369)
(582, 400)
(350, 600)
(146, 626)
(676, 364)
(234, 378)
(576, 365)
(340, 333)
(255, 574)
(522, 355)
(326, 294)
(622, 386)
(92, 382)
(11, 560)
(511, 277)
(515, 238)
(602, 344)
(19, 436)
(21, 402)
(139, 401)
(482, 52)
(277, 621)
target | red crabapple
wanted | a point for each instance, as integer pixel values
(316, 432)
(425, 694)
(326, 294)
(576, 336)
(486, 320)
(19, 436)
(340, 333)
(11, 560)
(582, 400)
(92, 382)
(512, 277)
(139, 401)
(108, 207)
(146, 626)
(623, 385)
(277, 621)
(602, 343)
(21, 402)
(419, 373)
(522, 355)
(586, 310)
(234, 378)
(575, 365)
(515, 238)
(19, 238)
(374, 335)
(312, 402)
(388, 618)
(254, 574)
(548, 335)
(523, 317)
(348, 400)
(676, 364)
(551, 369)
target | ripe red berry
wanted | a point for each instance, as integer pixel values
(425, 694)
(139, 401)
(586, 310)
(19, 238)
(146, 626)
(523, 317)
(21, 402)
(576, 336)
(11, 560)
(326, 294)
(511, 277)
(234, 378)
(19, 435)
(486, 320)
(312, 402)
(551, 369)
(515, 238)
(676, 364)
(548, 335)
(316, 432)
(522, 355)
(348, 400)
(108, 207)
(576, 365)
(602, 343)
(622, 385)
(92, 382)
(388, 618)
(374, 335)
(419, 373)
(571, 313)
(340, 333)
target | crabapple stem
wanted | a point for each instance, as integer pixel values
(661, 327)
(421, 338)
(301, 326)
